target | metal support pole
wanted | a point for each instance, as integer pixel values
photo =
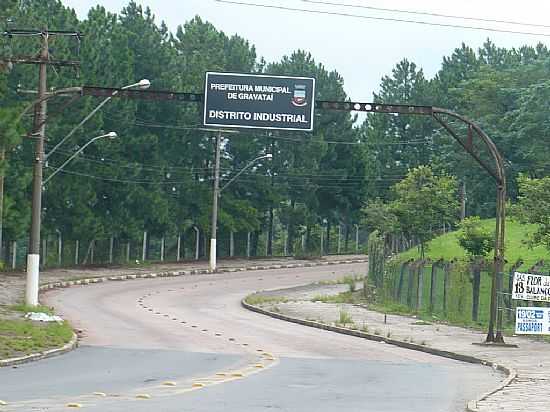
(33, 256)
(356, 238)
(128, 251)
(248, 245)
(212, 263)
(178, 254)
(76, 250)
(162, 249)
(232, 244)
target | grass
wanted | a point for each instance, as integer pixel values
(23, 337)
(516, 247)
(344, 318)
(258, 299)
(21, 307)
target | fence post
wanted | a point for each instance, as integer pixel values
(445, 284)
(44, 255)
(410, 284)
(111, 245)
(178, 254)
(14, 254)
(433, 281)
(162, 249)
(144, 247)
(322, 239)
(401, 277)
(59, 247)
(76, 250)
(92, 252)
(339, 236)
(248, 245)
(356, 238)
(231, 244)
(128, 251)
(420, 285)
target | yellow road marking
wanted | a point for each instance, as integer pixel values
(103, 394)
(169, 383)
(143, 396)
(74, 405)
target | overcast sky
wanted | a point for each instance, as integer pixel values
(362, 50)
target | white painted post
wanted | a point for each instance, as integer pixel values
(197, 242)
(248, 244)
(162, 249)
(178, 253)
(144, 247)
(76, 250)
(232, 244)
(111, 246)
(128, 251)
(303, 243)
(14, 255)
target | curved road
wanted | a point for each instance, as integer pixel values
(186, 344)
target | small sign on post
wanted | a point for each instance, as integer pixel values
(258, 101)
(532, 321)
(531, 287)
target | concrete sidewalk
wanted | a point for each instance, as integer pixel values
(525, 391)
(12, 284)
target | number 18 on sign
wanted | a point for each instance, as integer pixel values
(532, 320)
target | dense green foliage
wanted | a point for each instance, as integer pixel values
(475, 239)
(157, 176)
(534, 207)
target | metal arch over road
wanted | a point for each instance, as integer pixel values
(474, 134)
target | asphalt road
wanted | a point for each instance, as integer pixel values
(186, 344)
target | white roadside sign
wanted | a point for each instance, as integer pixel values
(531, 287)
(533, 321)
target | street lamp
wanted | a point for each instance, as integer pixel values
(33, 256)
(217, 193)
(110, 135)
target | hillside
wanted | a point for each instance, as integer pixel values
(446, 246)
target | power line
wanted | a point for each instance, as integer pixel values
(426, 13)
(391, 19)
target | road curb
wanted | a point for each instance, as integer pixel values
(73, 343)
(50, 353)
(510, 372)
(187, 272)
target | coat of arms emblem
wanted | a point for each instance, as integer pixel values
(299, 97)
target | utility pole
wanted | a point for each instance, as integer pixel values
(216, 195)
(39, 132)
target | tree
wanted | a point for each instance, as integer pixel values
(422, 202)
(533, 206)
(478, 242)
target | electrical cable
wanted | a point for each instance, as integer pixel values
(395, 20)
(425, 13)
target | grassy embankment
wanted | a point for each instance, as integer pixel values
(20, 337)
(459, 299)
